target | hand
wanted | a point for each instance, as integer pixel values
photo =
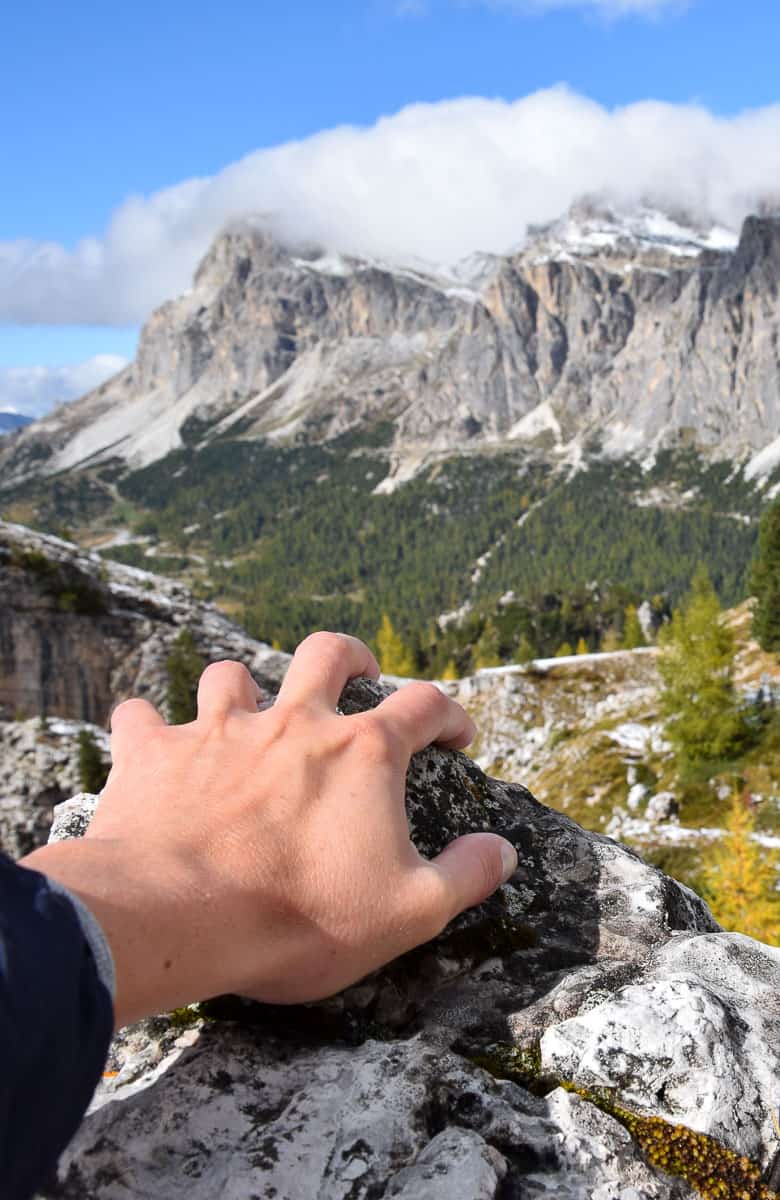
(268, 853)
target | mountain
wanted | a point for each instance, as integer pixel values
(637, 332)
(547, 435)
(11, 420)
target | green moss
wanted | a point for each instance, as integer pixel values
(713, 1170)
(184, 1018)
(716, 1172)
(517, 1064)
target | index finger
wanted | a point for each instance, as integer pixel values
(420, 714)
(131, 722)
(322, 665)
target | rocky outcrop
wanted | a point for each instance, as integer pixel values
(443, 1074)
(637, 333)
(79, 634)
(39, 768)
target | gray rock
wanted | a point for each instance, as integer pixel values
(79, 634)
(391, 1088)
(661, 806)
(696, 1041)
(38, 769)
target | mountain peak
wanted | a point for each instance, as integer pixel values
(594, 228)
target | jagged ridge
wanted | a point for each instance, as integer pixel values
(635, 331)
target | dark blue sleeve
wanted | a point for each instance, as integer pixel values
(56, 1020)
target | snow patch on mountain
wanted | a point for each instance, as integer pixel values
(764, 463)
(585, 231)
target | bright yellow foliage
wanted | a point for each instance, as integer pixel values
(739, 879)
(394, 657)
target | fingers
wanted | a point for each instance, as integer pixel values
(467, 872)
(322, 665)
(131, 723)
(420, 714)
(224, 687)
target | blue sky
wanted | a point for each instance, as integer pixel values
(109, 110)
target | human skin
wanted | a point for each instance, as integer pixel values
(268, 853)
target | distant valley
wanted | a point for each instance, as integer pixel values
(530, 442)
(12, 420)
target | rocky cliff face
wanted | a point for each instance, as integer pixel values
(638, 333)
(78, 634)
(442, 1076)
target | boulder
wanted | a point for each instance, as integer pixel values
(555, 1041)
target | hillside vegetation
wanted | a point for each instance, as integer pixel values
(289, 539)
(590, 737)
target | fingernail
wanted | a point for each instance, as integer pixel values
(509, 860)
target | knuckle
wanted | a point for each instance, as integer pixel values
(429, 695)
(126, 707)
(324, 641)
(225, 666)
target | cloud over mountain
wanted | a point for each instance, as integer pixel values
(436, 181)
(32, 391)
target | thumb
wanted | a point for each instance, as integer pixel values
(472, 867)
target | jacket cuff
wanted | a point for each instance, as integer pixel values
(96, 938)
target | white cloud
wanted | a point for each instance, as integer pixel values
(434, 180)
(32, 391)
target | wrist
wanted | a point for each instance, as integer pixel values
(154, 971)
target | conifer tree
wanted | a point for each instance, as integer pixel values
(93, 772)
(739, 879)
(703, 719)
(393, 656)
(450, 671)
(184, 667)
(524, 653)
(563, 651)
(486, 651)
(582, 646)
(765, 580)
(611, 640)
(633, 636)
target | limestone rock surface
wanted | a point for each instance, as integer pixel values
(588, 963)
(78, 634)
(38, 770)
